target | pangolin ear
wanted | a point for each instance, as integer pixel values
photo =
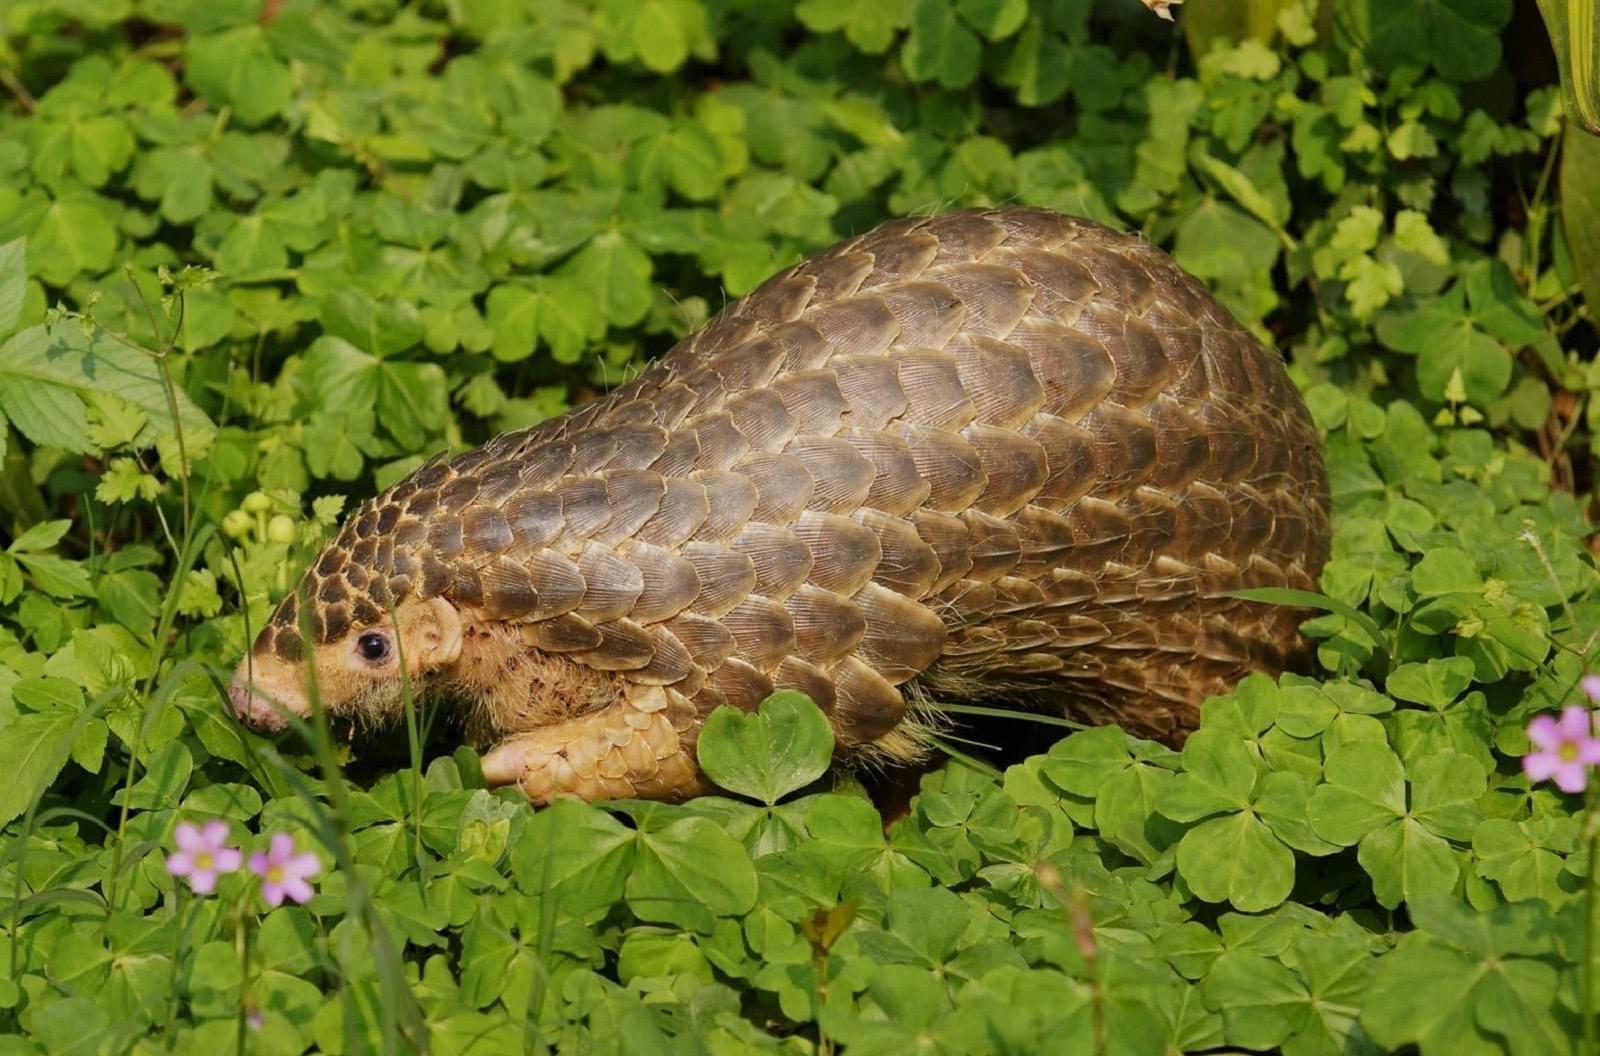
(441, 636)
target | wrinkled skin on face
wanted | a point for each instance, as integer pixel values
(358, 676)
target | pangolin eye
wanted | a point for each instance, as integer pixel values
(374, 647)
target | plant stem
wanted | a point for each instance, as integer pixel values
(539, 979)
(1075, 902)
(241, 942)
(414, 736)
(146, 696)
(18, 90)
(179, 941)
(171, 391)
(1537, 212)
(1591, 837)
(1082, 917)
(1530, 535)
(397, 1002)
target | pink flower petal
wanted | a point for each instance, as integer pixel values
(1589, 751)
(282, 848)
(305, 864)
(298, 890)
(203, 882)
(227, 859)
(1591, 686)
(1572, 777)
(1575, 723)
(188, 837)
(1540, 766)
(259, 864)
(180, 863)
(273, 893)
(215, 833)
(1544, 732)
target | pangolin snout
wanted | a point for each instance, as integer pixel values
(258, 701)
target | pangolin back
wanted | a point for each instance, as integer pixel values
(998, 452)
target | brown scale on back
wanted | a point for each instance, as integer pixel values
(1001, 454)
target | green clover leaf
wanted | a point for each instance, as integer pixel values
(1462, 984)
(1234, 855)
(1404, 848)
(1125, 779)
(784, 746)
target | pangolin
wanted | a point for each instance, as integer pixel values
(999, 454)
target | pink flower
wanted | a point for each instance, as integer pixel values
(202, 854)
(284, 873)
(1567, 748)
(1591, 686)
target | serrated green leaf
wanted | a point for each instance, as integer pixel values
(1413, 232)
(46, 372)
(13, 286)
(33, 749)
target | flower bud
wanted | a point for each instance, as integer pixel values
(256, 502)
(237, 524)
(280, 529)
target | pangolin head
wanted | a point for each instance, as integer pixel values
(369, 618)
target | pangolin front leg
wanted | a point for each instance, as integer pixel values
(641, 747)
